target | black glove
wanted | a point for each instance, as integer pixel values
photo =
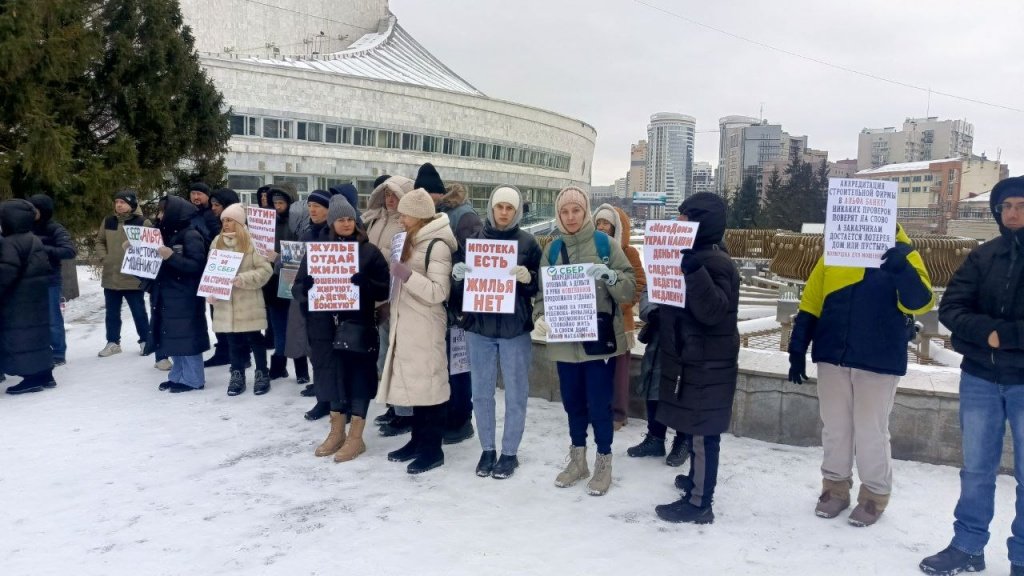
(894, 261)
(797, 367)
(307, 282)
(358, 279)
(690, 263)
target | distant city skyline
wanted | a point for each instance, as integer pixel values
(605, 62)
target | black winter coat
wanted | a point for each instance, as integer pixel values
(206, 223)
(56, 240)
(342, 376)
(24, 304)
(700, 343)
(987, 295)
(179, 316)
(521, 321)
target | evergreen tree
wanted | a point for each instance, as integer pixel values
(776, 202)
(99, 95)
(745, 207)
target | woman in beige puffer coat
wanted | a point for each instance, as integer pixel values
(243, 318)
(416, 365)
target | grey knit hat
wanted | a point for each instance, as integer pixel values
(340, 208)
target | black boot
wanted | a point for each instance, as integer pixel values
(28, 385)
(301, 370)
(386, 417)
(680, 452)
(650, 446)
(237, 383)
(399, 425)
(486, 464)
(431, 425)
(412, 447)
(684, 483)
(682, 511)
(318, 411)
(261, 384)
(221, 356)
(464, 432)
(278, 367)
(308, 391)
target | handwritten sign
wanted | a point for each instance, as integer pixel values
(489, 286)
(262, 225)
(141, 257)
(458, 359)
(221, 268)
(397, 243)
(570, 303)
(332, 264)
(860, 222)
(291, 257)
(663, 240)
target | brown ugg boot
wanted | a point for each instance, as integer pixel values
(335, 438)
(835, 497)
(354, 445)
(869, 508)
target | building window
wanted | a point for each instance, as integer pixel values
(917, 178)
(277, 128)
(915, 189)
(467, 148)
(448, 146)
(510, 154)
(430, 143)
(301, 183)
(240, 182)
(242, 125)
(411, 141)
(332, 134)
(389, 139)
(310, 131)
(496, 151)
(482, 150)
(364, 137)
(927, 177)
(906, 178)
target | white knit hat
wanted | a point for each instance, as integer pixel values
(417, 204)
(506, 194)
(234, 212)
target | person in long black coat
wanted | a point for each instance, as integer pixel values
(24, 304)
(699, 358)
(179, 318)
(58, 246)
(345, 380)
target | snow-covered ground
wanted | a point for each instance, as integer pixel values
(105, 475)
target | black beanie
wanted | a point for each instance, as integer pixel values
(321, 197)
(428, 179)
(129, 197)
(1007, 188)
(199, 187)
(380, 180)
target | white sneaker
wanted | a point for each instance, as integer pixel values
(164, 365)
(110, 349)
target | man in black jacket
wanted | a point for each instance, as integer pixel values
(700, 346)
(58, 246)
(983, 307)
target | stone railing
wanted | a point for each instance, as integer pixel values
(795, 254)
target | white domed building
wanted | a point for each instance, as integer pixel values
(330, 91)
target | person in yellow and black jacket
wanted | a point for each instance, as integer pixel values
(860, 320)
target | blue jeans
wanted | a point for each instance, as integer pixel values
(58, 343)
(136, 304)
(586, 389)
(188, 370)
(985, 408)
(514, 356)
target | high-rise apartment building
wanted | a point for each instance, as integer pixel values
(920, 139)
(669, 167)
(730, 169)
(620, 187)
(703, 178)
(637, 167)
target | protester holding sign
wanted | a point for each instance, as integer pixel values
(860, 320)
(586, 379)
(117, 286)
(242, 317)
(504, 337)
(699, 354)
(343, 345)
(178, 315)
(297, 341)
(416, 366)
(614, 222)
(383, 223)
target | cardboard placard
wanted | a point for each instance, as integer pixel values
(860, 221)
(489, 286)
(332, 264)
(262, 225)
(570, 303)
(141, 257)
(221, 269)
(291, 258)
(458, 359)
(663, 240)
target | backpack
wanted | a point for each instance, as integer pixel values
(601, 242)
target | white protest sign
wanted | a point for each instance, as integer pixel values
(570, 303)
(860, 222)
(221, 268)
(141, 257)
(489, 285)
(332, 264)
(262, 225)
(663, 240)
(397, 243)
(458, 360)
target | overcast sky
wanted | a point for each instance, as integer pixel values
(613, 63)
